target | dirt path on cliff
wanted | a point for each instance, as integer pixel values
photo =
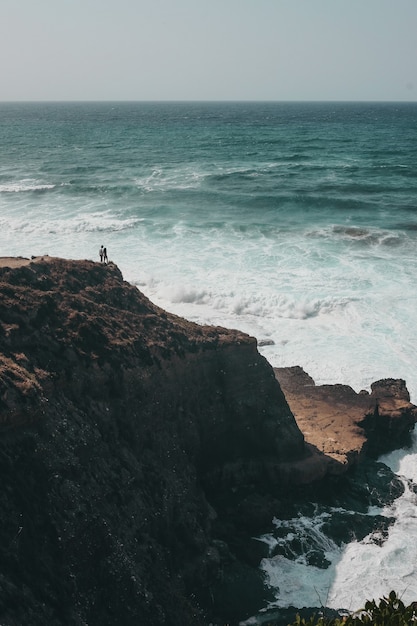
(13, 261)
(19, 261)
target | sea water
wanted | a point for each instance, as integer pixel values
(294, 222)
(357, 571)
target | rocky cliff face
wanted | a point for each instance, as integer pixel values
(138, 453)
(117, 420)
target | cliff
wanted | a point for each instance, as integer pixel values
(138, 452)
(117, 420)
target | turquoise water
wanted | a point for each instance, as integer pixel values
(294, 222)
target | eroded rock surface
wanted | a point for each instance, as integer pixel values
(343, 424)
(140, 452)
(116, 421)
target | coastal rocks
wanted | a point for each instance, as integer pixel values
(390, 424)
(344, 425)
(140, 453)
(118, 423)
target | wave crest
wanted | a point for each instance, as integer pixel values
(25, 186)
(80, 224)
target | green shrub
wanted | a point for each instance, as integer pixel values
(390, 611)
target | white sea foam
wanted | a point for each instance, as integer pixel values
(67, 226)
(178, 178)
(310, 307)
(358, 571)
(394, 561)
(403, 464)
(24, 185)
(295, 580)
(342, 317)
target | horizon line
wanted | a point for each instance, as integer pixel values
(207, 101)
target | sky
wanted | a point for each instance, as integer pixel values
(208, 50)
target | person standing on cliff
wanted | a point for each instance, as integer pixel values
(101, 253)
(105, 259)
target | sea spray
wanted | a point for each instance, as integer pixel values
(339, 558)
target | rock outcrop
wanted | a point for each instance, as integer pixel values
(139, 451)
(116, 421)
(340, 425)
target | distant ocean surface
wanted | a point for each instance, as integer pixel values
(294, 222)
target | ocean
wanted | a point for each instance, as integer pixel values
(294, 222)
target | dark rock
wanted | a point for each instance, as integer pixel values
(240, 593)
(140, 453)
(113, 414)
(345, 527)
(266, 342)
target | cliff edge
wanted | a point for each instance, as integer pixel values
(117, 420)
(137, 449)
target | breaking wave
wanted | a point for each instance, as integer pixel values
(25, 186)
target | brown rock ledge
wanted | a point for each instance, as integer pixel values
(342, 425)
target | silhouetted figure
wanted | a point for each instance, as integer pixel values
(105, 259)
(101, 253)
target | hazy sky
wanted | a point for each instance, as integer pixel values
(208, 49)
